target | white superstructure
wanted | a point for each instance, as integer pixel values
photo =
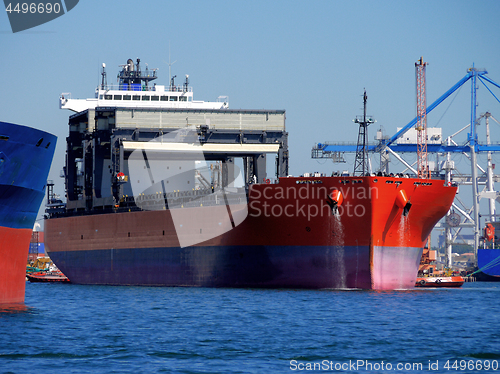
(135, 91)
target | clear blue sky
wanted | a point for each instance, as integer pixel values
(311, 58)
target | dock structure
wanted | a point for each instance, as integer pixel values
(103, 139)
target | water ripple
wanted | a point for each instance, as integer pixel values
(81, 329)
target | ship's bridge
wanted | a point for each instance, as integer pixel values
(157, 96)
(134, 90)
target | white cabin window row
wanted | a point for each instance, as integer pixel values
(145, 97)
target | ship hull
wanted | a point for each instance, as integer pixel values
(288, 235)
(489, 258)
(25, 159)
(13, 254)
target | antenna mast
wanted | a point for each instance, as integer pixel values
(361, 161)
(104, 82)
(170, 67)
(421, 126)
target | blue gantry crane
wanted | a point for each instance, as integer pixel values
(324, 150)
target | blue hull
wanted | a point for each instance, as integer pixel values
(488, 256)
(220, 266)
(313, 267)
(25, 159)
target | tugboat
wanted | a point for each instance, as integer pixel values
(52, 275)
(440, 281)
(429, 277)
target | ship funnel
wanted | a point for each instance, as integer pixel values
(130, 64)
(403, 202)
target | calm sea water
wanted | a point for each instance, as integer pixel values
(102, 329)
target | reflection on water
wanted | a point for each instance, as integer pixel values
(13, 308)
(339, 251)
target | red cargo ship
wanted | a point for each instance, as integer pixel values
(136, 215)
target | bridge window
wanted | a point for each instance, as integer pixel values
(117, 97)
(173, 98)
(127, 97)
(155, 98)
(183, 98)
(145, 98)
(164, 98)
(108, 97)
(136, 97)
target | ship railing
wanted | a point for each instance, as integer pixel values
(184, 199)
(491, 143)
(162, 201)
(145, 74)
(142, 87)
(322, 144)
(270, 181)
